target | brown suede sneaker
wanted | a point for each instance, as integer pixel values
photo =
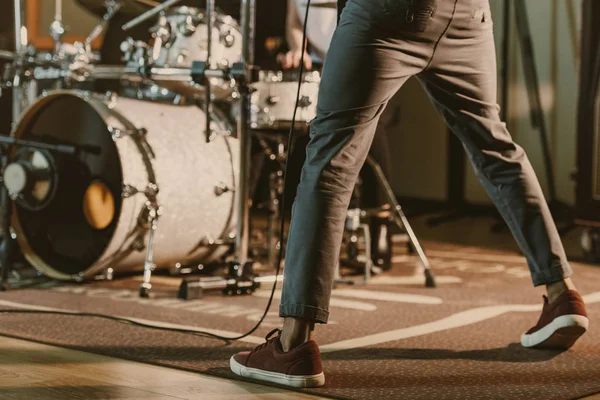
(561, 323)
(300, 367)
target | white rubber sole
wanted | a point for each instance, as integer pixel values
(562, 332)
(297, 381)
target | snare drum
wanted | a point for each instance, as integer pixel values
(274, 99)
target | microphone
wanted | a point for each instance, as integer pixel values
(75, 149)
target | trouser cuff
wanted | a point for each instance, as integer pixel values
(314, 314)
(555, 274)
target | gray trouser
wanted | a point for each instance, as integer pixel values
(378, 45)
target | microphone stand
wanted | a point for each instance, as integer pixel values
(7, 248)
(242, 235)
(20, 50)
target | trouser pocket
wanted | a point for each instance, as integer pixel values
(410, 15)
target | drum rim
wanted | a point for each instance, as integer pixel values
(30, 255)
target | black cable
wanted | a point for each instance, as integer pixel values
(282, 227)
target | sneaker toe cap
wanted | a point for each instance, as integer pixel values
(242, 357)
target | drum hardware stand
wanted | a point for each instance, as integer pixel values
(20, 50)
(275, 191)
(400, 219)
(112, 7)
(353, 227)
(240, 281)
(210, 11)
(149, 14)
(397, 215)
(244, 74)
(153, 212)
(148, 219)
(57, 28)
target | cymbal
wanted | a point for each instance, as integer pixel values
(330, 4)
(131, 8)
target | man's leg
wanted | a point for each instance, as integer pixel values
(368, 61)
(461, 80)
(362, 71)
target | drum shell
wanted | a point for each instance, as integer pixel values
(186, 169)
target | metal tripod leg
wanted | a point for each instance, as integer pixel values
(338, 278)
(149, 266)
(6, 250)
(402, 221)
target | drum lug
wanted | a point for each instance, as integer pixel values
(118, 133)
(136, 134)
(110, 98)
(227, 38)
(128, 191)
(222, 188)
(304, 102)
(150, 191)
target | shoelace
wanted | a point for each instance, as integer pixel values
(269, 339)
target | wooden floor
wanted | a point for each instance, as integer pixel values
(35, 371)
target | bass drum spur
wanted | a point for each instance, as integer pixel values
(151, 153)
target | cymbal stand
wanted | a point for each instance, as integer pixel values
(112, 7)
(240, 277)
(210, 20)
(244, 73)
(20, 50)
(243, 209)
(57, 28)
(149, 14)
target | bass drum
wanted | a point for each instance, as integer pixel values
(98, 216)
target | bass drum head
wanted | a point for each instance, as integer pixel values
(70, 233)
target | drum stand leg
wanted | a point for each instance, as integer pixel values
(368, 264)
(7, 246)
(275, 189)
(402, 221)
(153, 213)
(20, 49)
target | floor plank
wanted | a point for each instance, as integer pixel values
(36, 371)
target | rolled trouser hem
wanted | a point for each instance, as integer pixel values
(555, 274)
(314, 314)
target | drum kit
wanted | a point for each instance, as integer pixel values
(156, 175)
